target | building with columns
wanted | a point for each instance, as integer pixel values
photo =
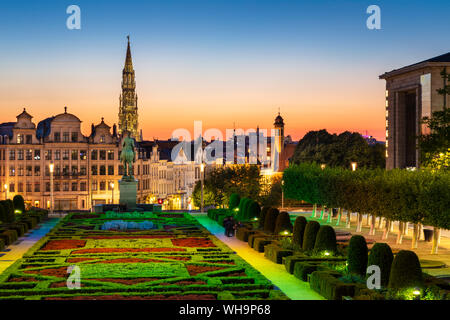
(411, 94)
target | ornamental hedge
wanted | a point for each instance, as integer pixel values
(309, 238)
(283, 223)
(357, 255)
(19, 203)
(262, 217)
(299, 231)
(234, 201)
(406, 271)
(409, 196)
(381, 255)
(326, 240)
(270, 220)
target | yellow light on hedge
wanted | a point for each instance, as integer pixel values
(416, 292)
(255, 219)
(236, 209)
(326, 253)
(285, 233)
(17, 211)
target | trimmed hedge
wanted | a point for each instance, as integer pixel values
(283, 223)
(270, 220)
(19, 203)
(253, 211)
(357, 255)
(262, 217)
(234, 201)
(309, 238)
(275, 253)
(329, 286)
(406, 271)
(381, 255)
(299, 231)
(326, 240)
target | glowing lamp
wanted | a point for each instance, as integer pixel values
(5, 186)
(52, 167)
(416, 292)
(326, 253)
(322, 166)
(202, 167)
(255, 219)
(354, 164)
(17, 211)
(112, 185)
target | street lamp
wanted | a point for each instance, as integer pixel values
(322, 166)
(202, 169)
(354, 164)
(282, 194)
(52, 168)
(6, 191)
(112, 192)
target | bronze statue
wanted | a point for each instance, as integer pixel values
(127, 157)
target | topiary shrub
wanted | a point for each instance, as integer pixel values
(2, 213)
(9, 211)
(245, 214)
(357, 255)
(381, 255)
(283, 223)
(299, 231)
(405, 271)
(270, 220)
(309, 238)
(326, 240)
(19, 203)
(262, 217)
(242, 204)
(234, 201)
(253, 211)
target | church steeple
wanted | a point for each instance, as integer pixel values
(128, 115)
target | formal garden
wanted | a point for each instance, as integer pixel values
(133, 256)
(335, 263)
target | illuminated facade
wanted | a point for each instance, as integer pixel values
(411, 94)
(128, 100)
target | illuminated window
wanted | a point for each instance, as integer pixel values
(387, 123)
(19, 138)
(387, 103)
(387, 133)
(387, 113)
(387, 93)
(387, 143)
(387, 155)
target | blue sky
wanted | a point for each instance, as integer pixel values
(198, 57)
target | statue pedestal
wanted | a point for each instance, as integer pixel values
(128, 193)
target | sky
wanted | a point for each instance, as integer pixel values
(222, 62)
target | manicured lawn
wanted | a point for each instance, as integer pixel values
(177, 259)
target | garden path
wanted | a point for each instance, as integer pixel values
(21, 246)
(291, 286)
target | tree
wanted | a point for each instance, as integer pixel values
(339, 150)
(208, 195)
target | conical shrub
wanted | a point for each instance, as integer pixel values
(270, 220)
(309, 238)
(357, 255)
(283, 223)
(299, 230)
(381, 256)
(326, 240)
(406, 271)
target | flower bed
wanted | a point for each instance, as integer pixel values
(178, 260)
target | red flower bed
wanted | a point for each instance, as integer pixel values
(63, 284)
(193, 243)
(195, 270)
(155, 297)
(178, 258)
(130, 260)
(118, 250)
(220, 261)
(144, 236)
(75, 260)
(127, 281)
(63, 244)
(184, 283)
(60, 272)
(22, 279)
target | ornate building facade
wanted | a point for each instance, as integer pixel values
(128, 100)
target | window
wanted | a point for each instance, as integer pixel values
(29, 171)
(74, 155)
(102, 139)
(102, 170)
(20, 139)
(94, 171)
(94, 155)
(120, 170)
(74, 136)
(94, 186)
(83, 154)
(110, 188)
(65, 155)
(47, 187)
(37, 154)
(29, 154)
(66, 186)
(48, 155)
(20, 187)
(82, 186)
(65, 171)
(110, 170)
(20, 171)
(102, 154)
(37, 171)
(102, 185)
(110, 154)
(29, 187)
(74, 186)
(57, 187)
(20, 154)
(74, 170)
(29, 139)
(37, 187)
(12, 187)
(57, 136)
(47, 171)
(66, 138)
(57, 170)
(12, 154)
(58, 155)
(83, 171)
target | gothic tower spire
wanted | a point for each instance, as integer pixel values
(128, 115)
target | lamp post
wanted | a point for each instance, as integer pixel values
(52, 168)
(322, 166)
(282, 194)
(6, 191)
(202, 169)
(112, 192)
(354, 165)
